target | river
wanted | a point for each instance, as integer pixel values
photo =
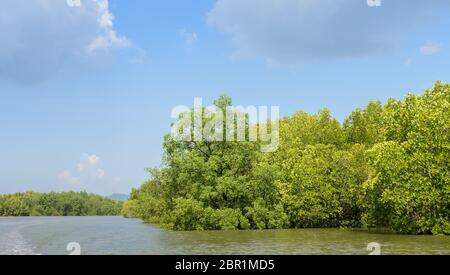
(116, 235)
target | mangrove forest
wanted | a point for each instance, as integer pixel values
(386, 166)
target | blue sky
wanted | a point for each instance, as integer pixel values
(87, 87)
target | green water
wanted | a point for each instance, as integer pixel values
(115, 235)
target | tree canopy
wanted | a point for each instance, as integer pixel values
(384, 166)
(58, 204)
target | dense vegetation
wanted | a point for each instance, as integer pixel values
(385, 166)
(57, 204)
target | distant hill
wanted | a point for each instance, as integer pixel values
(119, 197)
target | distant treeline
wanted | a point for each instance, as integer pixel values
(58, 204)
(386, 166)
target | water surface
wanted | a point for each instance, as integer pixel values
(116, 235)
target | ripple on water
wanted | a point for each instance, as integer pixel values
(13, 243)
(115, 235)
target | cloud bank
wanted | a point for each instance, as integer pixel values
(39, 37)
(294, 31)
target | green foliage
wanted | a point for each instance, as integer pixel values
(207, 185)
(261, 217)
(187, 214)
(385, 166)
(364, 126)
(321, 186)
(145, 203)
(57, 204)
(409, 189)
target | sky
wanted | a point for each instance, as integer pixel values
(87, 86)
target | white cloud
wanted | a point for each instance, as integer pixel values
(295, 31)
(40, 37)
(87, 161)
(89, 170)
(108, 37)
(73, 3)
(188, 37)
(430, 48)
